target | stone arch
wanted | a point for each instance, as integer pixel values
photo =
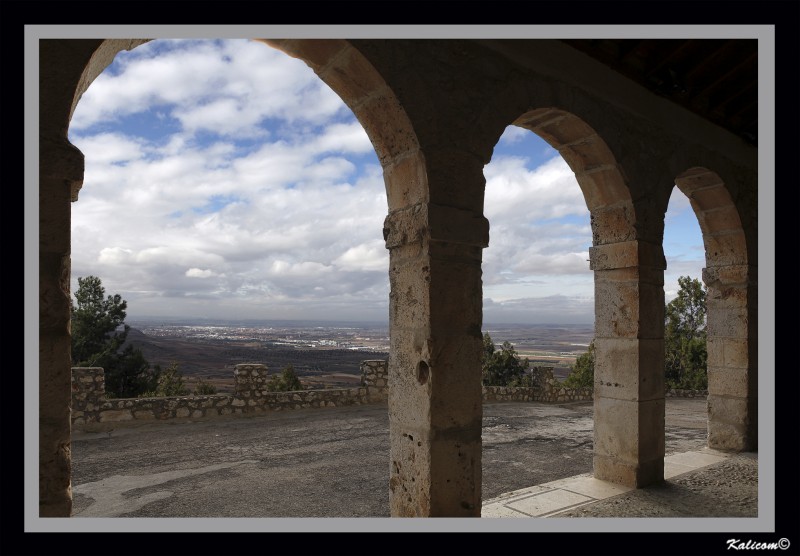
(628, 276)
(732, 335)
(345, 70)
(599, 176)
(67, 68)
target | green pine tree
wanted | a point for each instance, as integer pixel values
(98, 332)
(287, 381)
(685, 354)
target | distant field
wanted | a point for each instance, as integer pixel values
(213, 358)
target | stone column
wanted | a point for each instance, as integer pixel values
(732, 329)
(88, 393)
(250, 383)
(60, 176)
(374, 377)
(435, 399)
(629, 364)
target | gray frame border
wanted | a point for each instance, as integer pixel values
(766, 309)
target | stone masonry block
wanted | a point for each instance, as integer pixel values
(455, 373)
(563, 131)
(539, 118)
(730, 353)
(739, 433)
(698, 178)
(455, 298)
(386, 123)
(405, 226)
(727, 323)
(409, 397)
(629, 431)
(729, 275)
(711, 197)
(626, 254)
(613, 224)
(409, 471)
(454, 225)
(725, 248)
(727, 409)
(408, 306)
(587, 153)
(617, 310)
(723, 219)
(435, 223)
(406, 181)
(726, 297)
(728, 437)
(602, 186)
(455, 473)
(651, 311)
(733, 382)
(628, 474)
(614, 255)
(455, 179)
(629, 369)
(353, 77)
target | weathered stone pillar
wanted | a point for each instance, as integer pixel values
(732, 332)
(60, 176)
(629, 363)
(435, 399)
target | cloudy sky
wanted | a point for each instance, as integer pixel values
(225, 180)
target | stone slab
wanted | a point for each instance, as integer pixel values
(541, 504)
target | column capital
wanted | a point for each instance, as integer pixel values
(61, 160)
(627, 254)
(432, 222)
(741, 275)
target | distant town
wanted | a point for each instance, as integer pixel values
(300, 336)
(323, 354)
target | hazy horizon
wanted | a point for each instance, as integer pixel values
(150, 319)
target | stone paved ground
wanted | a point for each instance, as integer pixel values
(334, 462)
(725, 489)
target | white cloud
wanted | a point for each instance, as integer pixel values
(513, 134)
(371, 256)
(227, 87)
(343, 138)
(256, 192)
(200, 273)
(516, 193)
(298, 270)
(555, 309)
(115, 256)
(111, 148)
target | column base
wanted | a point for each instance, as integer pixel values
(629, 474)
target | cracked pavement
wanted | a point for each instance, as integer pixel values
(331, 462)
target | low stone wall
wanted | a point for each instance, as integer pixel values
(672, 393)
(545, 389)
(91, 409)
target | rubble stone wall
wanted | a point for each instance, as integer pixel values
(545, 390)
(91, 409)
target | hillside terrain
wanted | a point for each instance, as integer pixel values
(322, 356)
(213, 360)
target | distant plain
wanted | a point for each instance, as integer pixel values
(323, 354)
